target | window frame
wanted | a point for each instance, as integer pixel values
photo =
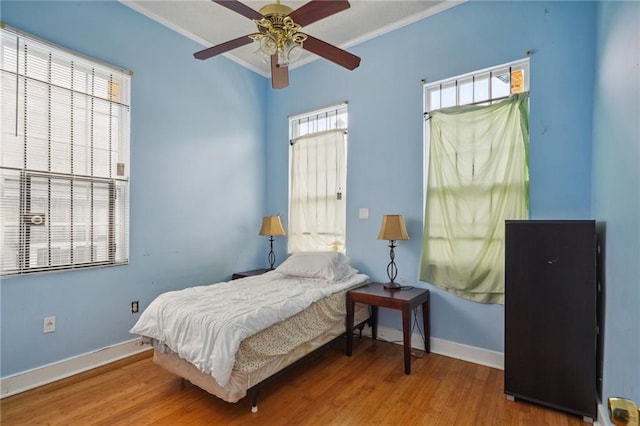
(493, 73)
(333, 117)
(523, 64)
(458, 268)
(95, 163)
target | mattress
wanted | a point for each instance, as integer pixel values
(270, 350)
(205, 325)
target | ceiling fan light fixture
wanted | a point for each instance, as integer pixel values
(268, 45)
(279, 34)
(279, 40)
(291, 52)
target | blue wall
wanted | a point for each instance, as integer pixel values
(197, 182)
(616, 190)
(385, 158)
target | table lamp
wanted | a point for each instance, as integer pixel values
(392, 229)
(271, 226)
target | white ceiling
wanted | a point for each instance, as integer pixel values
(210, 24)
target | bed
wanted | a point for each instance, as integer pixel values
(228, 338)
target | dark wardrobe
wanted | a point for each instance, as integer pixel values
(551, 324)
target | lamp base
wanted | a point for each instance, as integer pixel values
(392, 286)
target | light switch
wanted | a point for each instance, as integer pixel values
(364, 213)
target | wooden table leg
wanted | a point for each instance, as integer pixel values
(374, 322)
(426, 326)
(350, 315)
(406, 332)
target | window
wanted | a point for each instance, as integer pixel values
(476, 143)
(482, 87)
(64, 157)
(318, 178)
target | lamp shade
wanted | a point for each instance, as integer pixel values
(393, 228)
(271, 225)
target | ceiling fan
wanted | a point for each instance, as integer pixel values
(280, 38)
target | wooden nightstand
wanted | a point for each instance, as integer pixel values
(376, 295)
(251, 273)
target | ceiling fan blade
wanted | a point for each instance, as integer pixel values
(240, 8)
(279, 75)
(221, 48)
(316, 10)
(332, 53)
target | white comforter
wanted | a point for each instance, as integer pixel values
(206, 324)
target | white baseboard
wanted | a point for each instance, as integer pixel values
(50, 373)
(465, 353)
(444, 347)
(603, 416)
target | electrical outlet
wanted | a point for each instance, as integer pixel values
(134, 307)
(49, 325)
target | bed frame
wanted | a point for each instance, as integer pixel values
(254, 391)
(190, 373)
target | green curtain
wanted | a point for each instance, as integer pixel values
(478, 178)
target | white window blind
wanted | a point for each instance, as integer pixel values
(64, 158)
(318, 166)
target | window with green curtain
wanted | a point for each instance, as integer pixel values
(477, 178)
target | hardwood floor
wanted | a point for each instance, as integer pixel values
(327, 388)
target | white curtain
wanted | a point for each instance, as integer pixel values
(317, 216)
(478, 178)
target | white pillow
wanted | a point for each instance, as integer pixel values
(327, 265)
